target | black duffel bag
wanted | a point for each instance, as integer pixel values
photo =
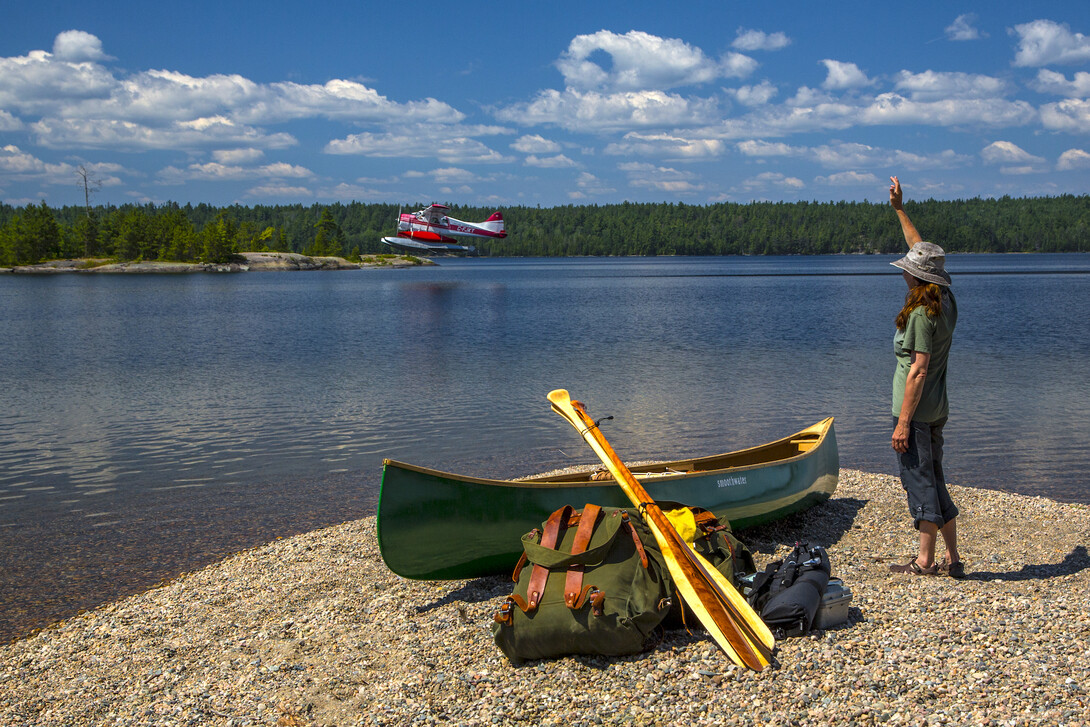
(788, 593)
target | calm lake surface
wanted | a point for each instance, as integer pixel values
(152, 424)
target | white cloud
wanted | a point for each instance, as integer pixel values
(216, 172)
(1006, 152)
(848, 155)
(771, 180)
(849, 179)
(554, 162)
(18, 164)
(964, 28)
(1073, 159)
(115, 134)
(757, 95)
(662, 179)
(842, 75)
(535, 144)
(452, 175)
(237, 156)
(595, 112)
(1056, 83)
(1042, 42)
(589, 185)
(668, 145)
(641, 61)
(77, 45)
(9, 122)
(1071, 115)
(892, 108)
(452, 144)
(934, 86)
(750, 40)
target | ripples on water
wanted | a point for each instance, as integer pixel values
(205, 414)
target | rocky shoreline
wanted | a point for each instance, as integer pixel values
(314, 630)
(249, 262)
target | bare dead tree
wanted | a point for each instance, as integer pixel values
(90, 184)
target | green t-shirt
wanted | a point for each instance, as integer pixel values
(926, 335)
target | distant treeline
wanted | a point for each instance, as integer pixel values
(212, 234)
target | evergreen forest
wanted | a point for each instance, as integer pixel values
(205, 233)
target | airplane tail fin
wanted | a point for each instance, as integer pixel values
(495, 224)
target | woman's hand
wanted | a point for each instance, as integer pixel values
(900, 438)
(895, 196)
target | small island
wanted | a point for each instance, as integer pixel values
(239, 263)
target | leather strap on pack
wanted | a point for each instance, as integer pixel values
(574, 594)
(540, 574)
(627, 524)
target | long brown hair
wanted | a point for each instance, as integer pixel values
(926, 294)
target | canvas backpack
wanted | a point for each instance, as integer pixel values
(591, 581)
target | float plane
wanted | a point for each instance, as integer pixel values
(430, 231)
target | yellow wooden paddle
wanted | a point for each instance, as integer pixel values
(723, 611)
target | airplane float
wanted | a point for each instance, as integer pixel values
(430, 231)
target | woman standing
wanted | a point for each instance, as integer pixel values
(925, 328)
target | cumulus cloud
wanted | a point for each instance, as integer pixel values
(771, 180)
(892, 108)
(237, 156)
(849, 179)
(78, 101)
(667, 145)
(21, 165)
(964, 28)
(1072, 115)
(115, 134)
(535, 144)
(593, 111)
(662, 179)
(1073, 159)
(935, 86)
(842, 76)
(217, 172)
(1005, 152)
(1056, 83)
(1042, 42)
(553, 162)
(641, 61)
(751, 40)
(756, 95)
(589, 185)
(849, 155)
(77, 45)
(452, 144)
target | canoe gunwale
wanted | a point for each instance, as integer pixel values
(822, 428)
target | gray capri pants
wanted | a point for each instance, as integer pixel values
(922, 477)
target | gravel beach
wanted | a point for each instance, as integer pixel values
(314, 630)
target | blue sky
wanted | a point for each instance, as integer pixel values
(502, 104)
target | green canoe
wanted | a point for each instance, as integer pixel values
(435, 525)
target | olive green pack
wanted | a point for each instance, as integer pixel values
(717, 544)
(589, 582)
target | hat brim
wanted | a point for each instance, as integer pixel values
(908, 267)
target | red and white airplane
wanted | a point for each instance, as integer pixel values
(430, 230)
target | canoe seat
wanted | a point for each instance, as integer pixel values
(804, 445)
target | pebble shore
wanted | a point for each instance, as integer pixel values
(314, 630)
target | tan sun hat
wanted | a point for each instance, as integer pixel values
(926, 261)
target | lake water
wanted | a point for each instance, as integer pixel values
(152, 424)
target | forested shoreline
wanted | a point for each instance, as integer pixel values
(207, 233)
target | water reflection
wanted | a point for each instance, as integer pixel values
(184, 406)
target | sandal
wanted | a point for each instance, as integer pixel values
(954, 570)
(915, 569)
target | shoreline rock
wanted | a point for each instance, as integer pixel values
(314, 630)
(251, 262)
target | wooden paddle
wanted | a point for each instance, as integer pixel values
(727, 616)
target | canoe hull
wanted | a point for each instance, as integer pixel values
(440, 526)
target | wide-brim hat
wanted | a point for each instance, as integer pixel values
(926, 261)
